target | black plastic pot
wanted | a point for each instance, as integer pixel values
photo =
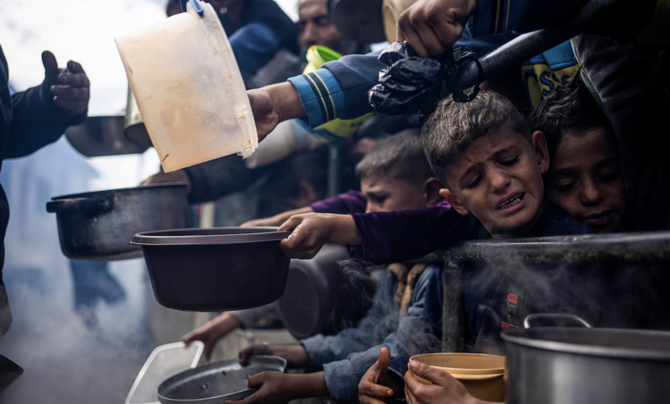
(227, 268)
(100, 225)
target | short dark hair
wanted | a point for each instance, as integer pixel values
(570, 109)
(400, 156)
(455, 125)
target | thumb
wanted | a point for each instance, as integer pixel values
(435, 376)
(383, 364)
(51, 69)
(290, 224)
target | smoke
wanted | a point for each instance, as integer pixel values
(606, 295)
(65, 357)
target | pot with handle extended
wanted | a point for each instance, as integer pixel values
(572, 365)
(100, 225)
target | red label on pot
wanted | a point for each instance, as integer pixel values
(507, 326)
(512, 298)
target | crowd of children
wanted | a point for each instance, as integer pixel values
(585, 155)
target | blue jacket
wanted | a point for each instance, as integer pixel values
(346, 357)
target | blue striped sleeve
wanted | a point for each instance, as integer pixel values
(321, 96)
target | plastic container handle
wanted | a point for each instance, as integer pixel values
(531, 317)
(196, 6)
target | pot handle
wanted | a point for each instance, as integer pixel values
(89, 206)
(564, 316)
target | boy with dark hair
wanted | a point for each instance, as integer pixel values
(585, 178)
(394, 175)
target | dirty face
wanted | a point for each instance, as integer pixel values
(585, 180)
(498, 178)
(385, 193)
(315, 26)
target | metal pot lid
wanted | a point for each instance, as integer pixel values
(214, 236)
(99, 193)
(216, 382)
(603, 342)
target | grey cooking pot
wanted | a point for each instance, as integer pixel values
(570, 365)
(216, 382)
(100, 225)
(102, 136)
(313, 302)
(228, 268)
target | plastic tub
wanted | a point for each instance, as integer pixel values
(164, 362)
(189, 89)
(482, 375)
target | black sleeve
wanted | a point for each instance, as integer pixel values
(628, 86)
(37, 122)
(269, 13)
(217, 178)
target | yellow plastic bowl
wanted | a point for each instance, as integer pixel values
(482, 375)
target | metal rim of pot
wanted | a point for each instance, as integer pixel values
(200, 237)
(585, 349)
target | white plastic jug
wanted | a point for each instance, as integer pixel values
(189, 89)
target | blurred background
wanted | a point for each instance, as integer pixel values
(81, 330)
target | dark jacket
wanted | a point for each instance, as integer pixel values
(28, 121)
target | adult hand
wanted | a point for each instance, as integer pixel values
(312, 230)
(371, 389)
(444, 388)
(296, 355)
(430, 27)
(69, 87)
(273, 104)
(212, 332)
(168, 178)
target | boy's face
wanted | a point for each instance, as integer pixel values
(498, 178)
(585, 180)
(385, 193)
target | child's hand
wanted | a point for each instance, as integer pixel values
(371, 389)
(296, 355)
(430, 27)
(445, 389)
(312, 230)
(212, 332)
(276, 387)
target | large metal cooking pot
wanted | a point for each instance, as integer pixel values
(100, 225)
(570, 365)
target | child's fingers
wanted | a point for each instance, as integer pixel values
(374, 390)
(291, 223)
(257, 380)
(435, 376)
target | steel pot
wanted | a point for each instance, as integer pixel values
(133, 124)
(229, 268)
(570, 365)
(102, 136)
(100, 225)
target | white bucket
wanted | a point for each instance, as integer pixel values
(189, 89)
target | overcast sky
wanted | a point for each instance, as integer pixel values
(84, 30)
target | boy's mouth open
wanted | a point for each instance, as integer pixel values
(512, 203)
(599, 219)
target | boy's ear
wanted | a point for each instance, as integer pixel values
(431, 192)
(541, 151)
(454, 202)
(307, 191)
